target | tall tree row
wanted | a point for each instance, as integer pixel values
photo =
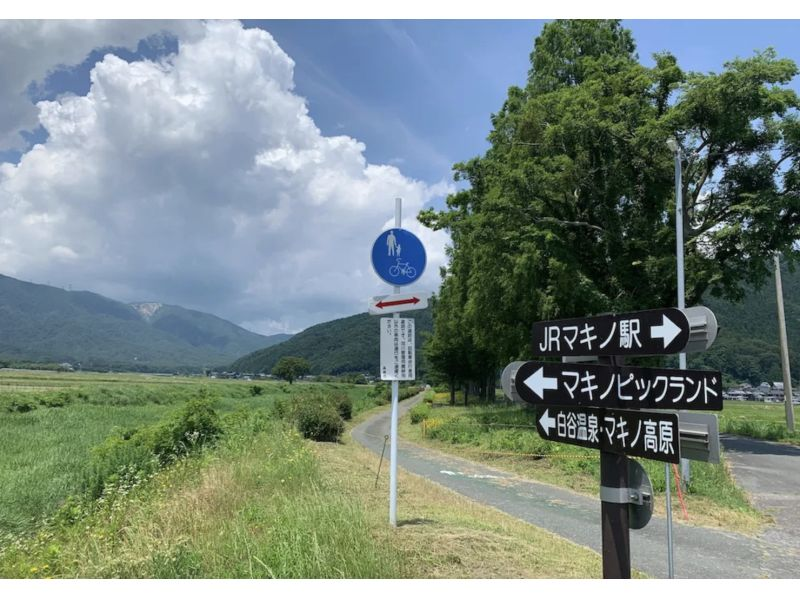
(571, 210)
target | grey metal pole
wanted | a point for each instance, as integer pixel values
(668, 485)
(398, 213)
(673, 144)
(787, 378)
(686, 471)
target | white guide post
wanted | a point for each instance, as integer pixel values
(398, 207)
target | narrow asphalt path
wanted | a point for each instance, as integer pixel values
(770, 473)
(698, 552)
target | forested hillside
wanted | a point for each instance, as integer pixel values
(747, 346)
(41, 323)
(337, 347)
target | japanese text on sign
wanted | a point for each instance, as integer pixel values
(637, 433)
(619, 386)
(650, 332)
(397, 349)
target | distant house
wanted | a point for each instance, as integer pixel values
(66, 367)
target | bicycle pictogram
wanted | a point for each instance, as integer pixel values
(402, 269)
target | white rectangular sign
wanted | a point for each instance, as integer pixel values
(389, 304)
(397, 349)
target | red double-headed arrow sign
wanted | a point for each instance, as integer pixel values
(396, 303)
(382, 304)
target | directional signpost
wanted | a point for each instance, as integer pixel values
(398, 257)
(652, 332)
(622, 387)
(646, 434)
(608, 406)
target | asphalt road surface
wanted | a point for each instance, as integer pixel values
(698, 552)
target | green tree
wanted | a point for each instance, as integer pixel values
(571, 210)
(290, 368)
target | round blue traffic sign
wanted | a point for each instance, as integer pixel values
(398, 256)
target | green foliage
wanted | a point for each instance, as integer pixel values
(128, 456)
(343, 404)
(290, 368)
(19, 404)
(571, 210)
(256, 390)
(319, 420)
(344, 346)
(419, 412)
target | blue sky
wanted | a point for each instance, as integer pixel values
(419, 93)
(166, 173)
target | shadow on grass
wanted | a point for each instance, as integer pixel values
(417, 521)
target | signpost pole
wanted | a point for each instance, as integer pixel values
(398, 207)
(614, 517)
(615, 524)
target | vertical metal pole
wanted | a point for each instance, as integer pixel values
(787, 378)
(398, 213)
(682, 356)
(614, 519)
(685, 466)
(668, 485)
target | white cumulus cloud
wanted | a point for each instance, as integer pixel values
(202, 180)
(32, 49)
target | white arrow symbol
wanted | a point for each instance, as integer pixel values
(538, 383)
(547, 422)
(667, 331)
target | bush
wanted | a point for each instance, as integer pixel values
(61, 399)
(125, 458)
(319, 420)
(420, 412)
(19, 405)
(195, 425)
(344, 405)
(256, 390)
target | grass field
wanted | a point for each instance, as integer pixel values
(766, 421)
(262, 502)
(274, 505)
(49, 423)
(505, 436)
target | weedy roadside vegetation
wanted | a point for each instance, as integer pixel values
(505, 436)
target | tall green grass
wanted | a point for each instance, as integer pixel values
(256, 506)
(46, 451)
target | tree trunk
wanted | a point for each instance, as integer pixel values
(466, 393)
(452, 391)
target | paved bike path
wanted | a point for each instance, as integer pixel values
(698, 552)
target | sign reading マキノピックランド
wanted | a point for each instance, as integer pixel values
(647, 434)
(650, 332)
(620, 387)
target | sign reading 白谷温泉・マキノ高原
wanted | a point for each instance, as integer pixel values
(647, 434)
(398, 257)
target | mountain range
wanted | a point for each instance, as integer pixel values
(41, 323)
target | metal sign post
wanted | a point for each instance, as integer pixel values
(398, 213)
(398, 258)
(592, 400)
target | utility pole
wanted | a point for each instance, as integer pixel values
(787, 378)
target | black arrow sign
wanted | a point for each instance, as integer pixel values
(650, 332)
(621, 387)
(635, 433)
